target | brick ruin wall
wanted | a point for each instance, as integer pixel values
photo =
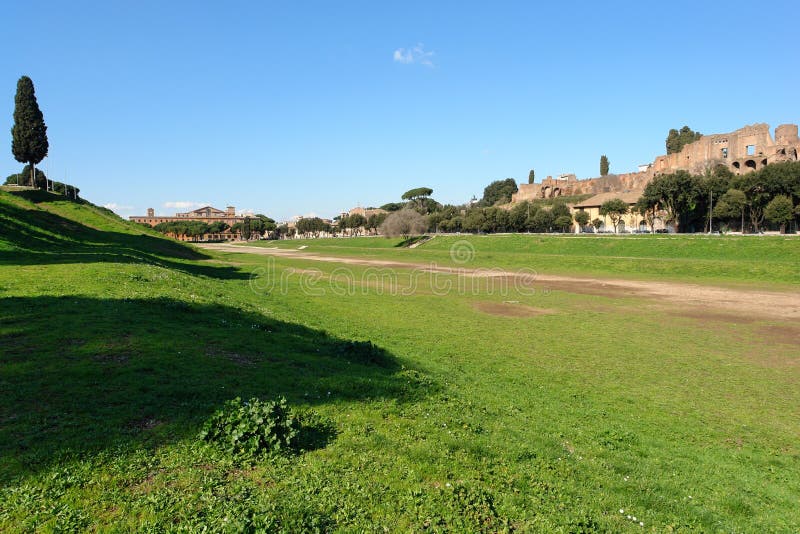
(745, 150)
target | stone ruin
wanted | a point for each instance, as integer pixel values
(745, 150)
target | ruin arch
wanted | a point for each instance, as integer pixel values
(750, 164)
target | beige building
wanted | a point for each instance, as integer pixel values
(206, 214)
(630, 222)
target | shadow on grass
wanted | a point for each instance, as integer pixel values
(414, 240)
(41, 237)
(81, 375)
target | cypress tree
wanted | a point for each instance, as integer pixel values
(604, 165)
(29, 133)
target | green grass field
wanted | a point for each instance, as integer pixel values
(557, 412)
(765, 260)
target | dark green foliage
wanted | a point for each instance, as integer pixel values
(531, 177)
(614, 209)
(355, 223)
(42, 182)
(183, 228)
(312, 226)
(393, 206)
(582, 218)
(419, 192)
(676, 140)
(647, 207)
(604, 165)
(29, 134)
(252, 428)
(217, 227)
(563, 223)
(678, 195)
(375, 220)
(499, 192)
(780, 211)
(541, 221)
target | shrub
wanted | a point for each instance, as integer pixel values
(405, 223)
(252, 428)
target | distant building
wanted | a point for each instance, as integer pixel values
(630, 222)
(206, 214)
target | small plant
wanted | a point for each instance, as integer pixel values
(252, 428)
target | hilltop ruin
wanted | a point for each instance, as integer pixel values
(745, 150)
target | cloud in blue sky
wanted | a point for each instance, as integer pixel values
(416, 54)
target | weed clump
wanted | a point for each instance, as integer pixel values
(252, 428)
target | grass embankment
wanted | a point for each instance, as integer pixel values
(551, 413)
(767, 260)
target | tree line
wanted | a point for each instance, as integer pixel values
(258, 225)
(720, 199)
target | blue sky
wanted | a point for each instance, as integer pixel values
(293, 107)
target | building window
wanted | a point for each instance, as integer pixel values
(724, 153)
(751, 150)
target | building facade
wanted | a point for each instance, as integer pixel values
(206, 214)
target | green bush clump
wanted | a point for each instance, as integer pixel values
(252, 428)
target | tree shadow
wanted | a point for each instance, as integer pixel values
(81, 375)
(406, 243)
(42, 237)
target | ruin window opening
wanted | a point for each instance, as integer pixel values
(751, 150)
(724, 153)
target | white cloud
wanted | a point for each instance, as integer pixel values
(416, 54)
(119, 209)
(184, 204)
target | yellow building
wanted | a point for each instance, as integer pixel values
(630, 222)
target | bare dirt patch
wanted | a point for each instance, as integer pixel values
(781, 334)
(710, 315)
(509, 309)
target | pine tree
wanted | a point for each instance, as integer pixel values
(604, 165)
(531, 177)
(29, 133)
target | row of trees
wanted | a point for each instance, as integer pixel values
(42, 182)
(696, 202)
(717, 199)
(258, 225)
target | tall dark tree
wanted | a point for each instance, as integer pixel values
(499, 191)
(531, 177)
(29, 133)
(604, 165)
(676, 139)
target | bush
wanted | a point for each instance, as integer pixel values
(252, 428)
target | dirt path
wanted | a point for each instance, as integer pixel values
(737, 302)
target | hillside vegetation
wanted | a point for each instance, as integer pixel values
(470, 411)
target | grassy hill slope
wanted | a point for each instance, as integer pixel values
(476, 411)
